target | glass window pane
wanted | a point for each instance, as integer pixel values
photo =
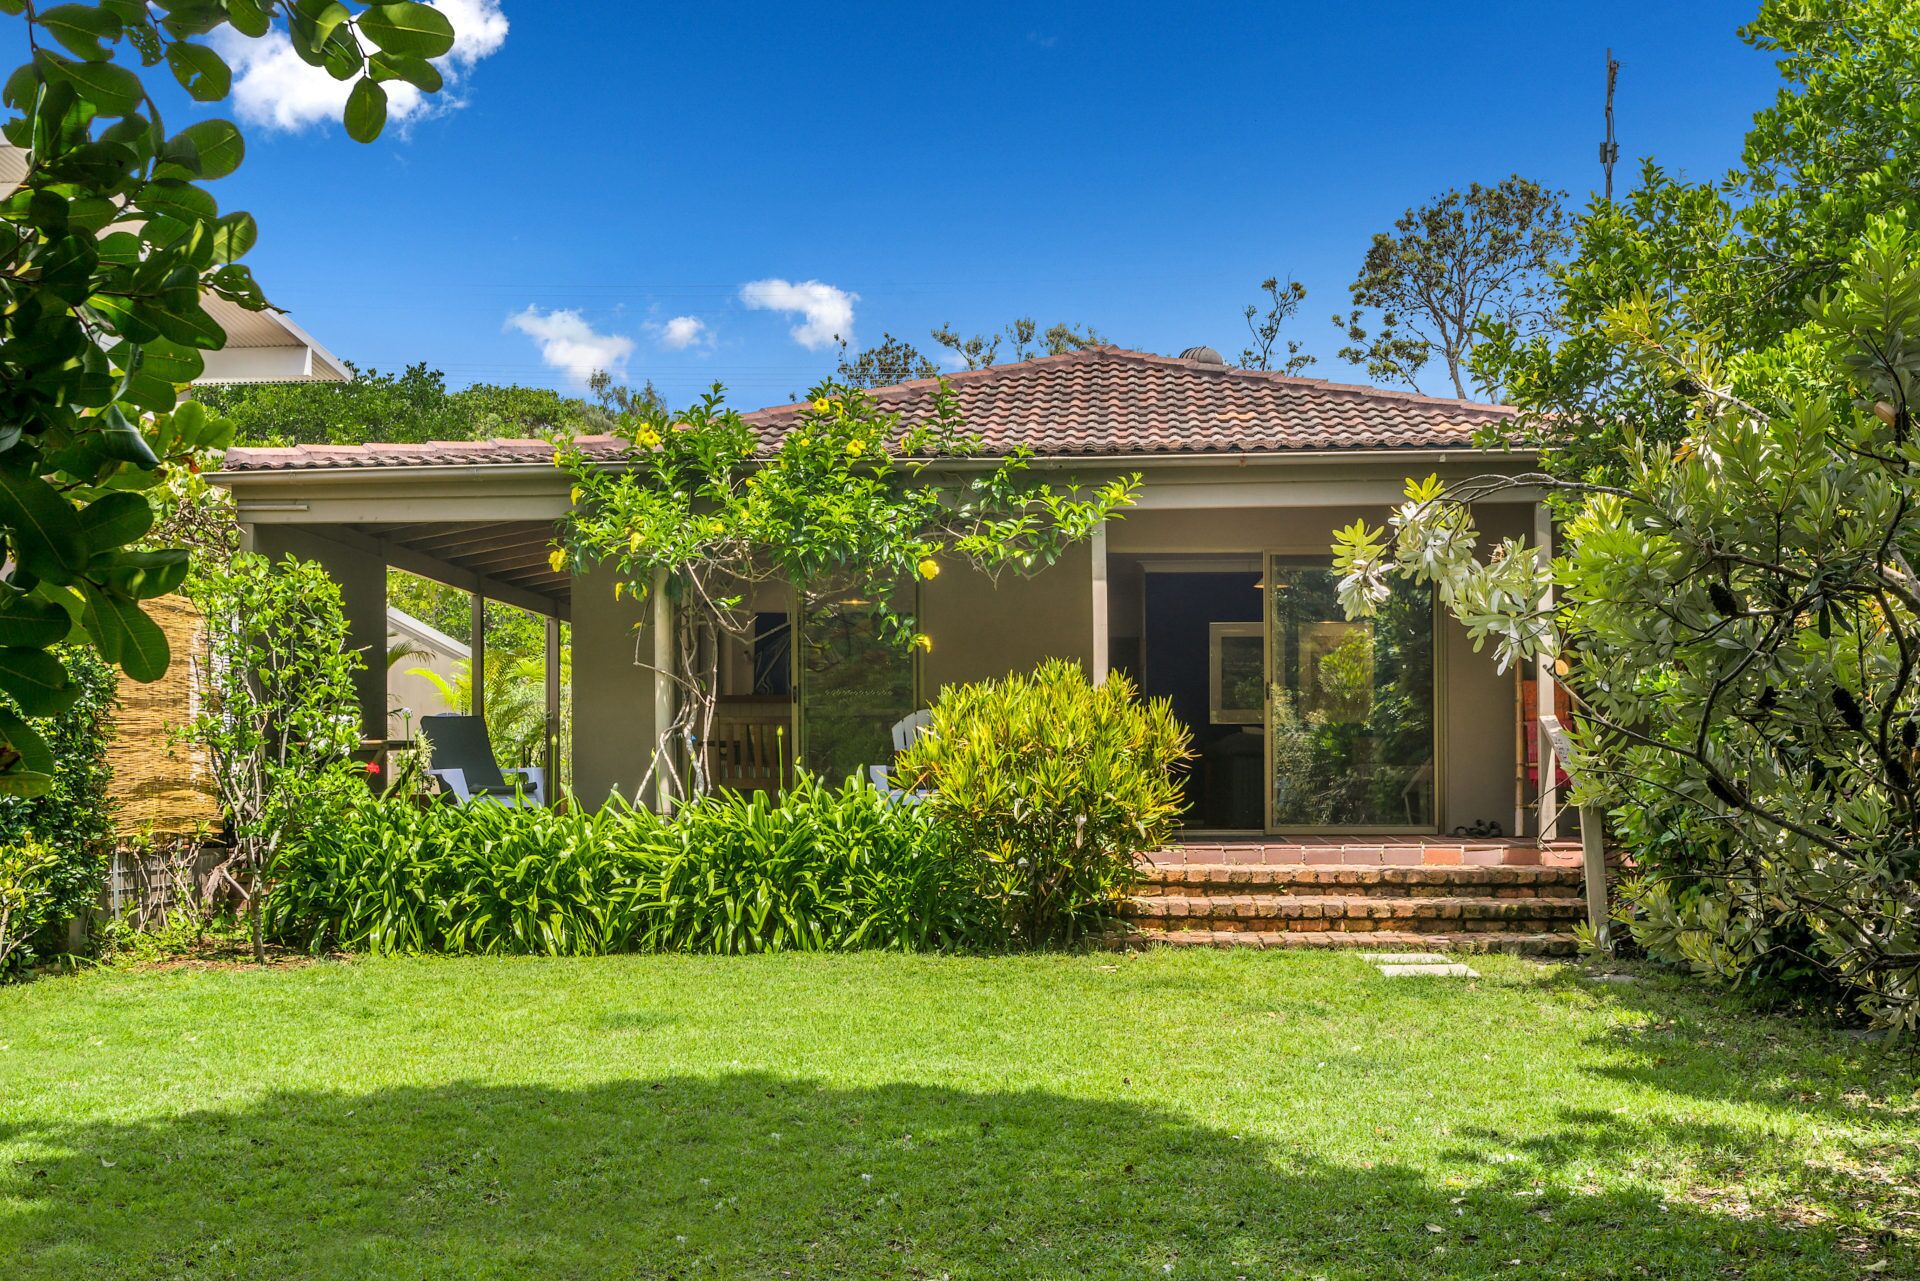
(854, 687)
(1351, 705)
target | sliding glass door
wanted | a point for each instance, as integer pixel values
(1350, 705)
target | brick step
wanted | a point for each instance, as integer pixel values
(1312, 912)
(1515, 943)
(1402, 882)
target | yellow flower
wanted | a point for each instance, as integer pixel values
(617, 589)
(820, 405)
(633, 541)
(923, 642)
(558, 559)
(556, 458)
(929, 567)
(647, 439)
(573, 495)
(855, 448)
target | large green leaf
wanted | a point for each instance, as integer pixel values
(43, 528)
(233, 235)
(143, 575)
(36, 756)
(417, 72)
(116, 437)
(29, 622)
(366, 113)
(220, 146)
(125, 634)
(249, 17)
(81, 28)
(37, 681)
(203, 73)
(23, 782)
(111, 89)
(116, 520)
(182, 319)
(417, 30)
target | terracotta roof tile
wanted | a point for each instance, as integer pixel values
(1101, 402)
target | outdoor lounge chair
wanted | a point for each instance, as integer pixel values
(461, 760)
(905, 730)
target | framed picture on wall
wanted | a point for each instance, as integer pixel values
(1236, 673)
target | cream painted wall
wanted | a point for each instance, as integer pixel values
(981, 629)
(613, 727)
(362, 577)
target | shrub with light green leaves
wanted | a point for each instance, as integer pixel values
(29, 896)
(1056, 786)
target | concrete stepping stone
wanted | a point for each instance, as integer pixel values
(1445, 970)
(1403, 958)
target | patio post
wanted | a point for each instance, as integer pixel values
(553, 707)
(1101, 660)
(662, 691)
(1546, 701)
(477, 663)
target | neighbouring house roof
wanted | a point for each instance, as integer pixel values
(425, 636)
(1104, 402)
(262, 346)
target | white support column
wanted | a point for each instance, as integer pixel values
(1101, 658)
(553, 709)
(1546, 702)
(663, 794)
(477, 647)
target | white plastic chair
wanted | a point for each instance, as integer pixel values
(905, 731)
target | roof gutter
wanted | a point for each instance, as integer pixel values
(1050, 462)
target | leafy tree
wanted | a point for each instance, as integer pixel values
(1028, 343)
(106, 249)
(1740, 620)
(1282, 302)
(1741, 255)
(618, 398)
(1469, 257)
(72, 821)
(895, 360)
(842, 506)
(405, 408)
(282, 721)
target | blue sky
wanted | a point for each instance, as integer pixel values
(1137, 169)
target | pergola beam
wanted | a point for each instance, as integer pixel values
(414, 561)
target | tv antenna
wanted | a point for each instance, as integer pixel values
(1609, 149)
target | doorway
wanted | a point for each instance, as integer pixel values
(1202, 649)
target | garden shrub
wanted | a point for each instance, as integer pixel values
(390, 875)
(71, 823)
(822, 869)
(1056, 786)
(28, 893)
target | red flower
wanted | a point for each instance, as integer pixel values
(373, 767)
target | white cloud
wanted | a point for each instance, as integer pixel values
(568, 343)
(683, 332)
(826, 312)
(273, 89)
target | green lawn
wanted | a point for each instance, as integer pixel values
(1193, 1115)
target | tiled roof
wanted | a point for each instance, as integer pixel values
(1101, 402)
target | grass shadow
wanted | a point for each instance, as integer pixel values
(756, 1175)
